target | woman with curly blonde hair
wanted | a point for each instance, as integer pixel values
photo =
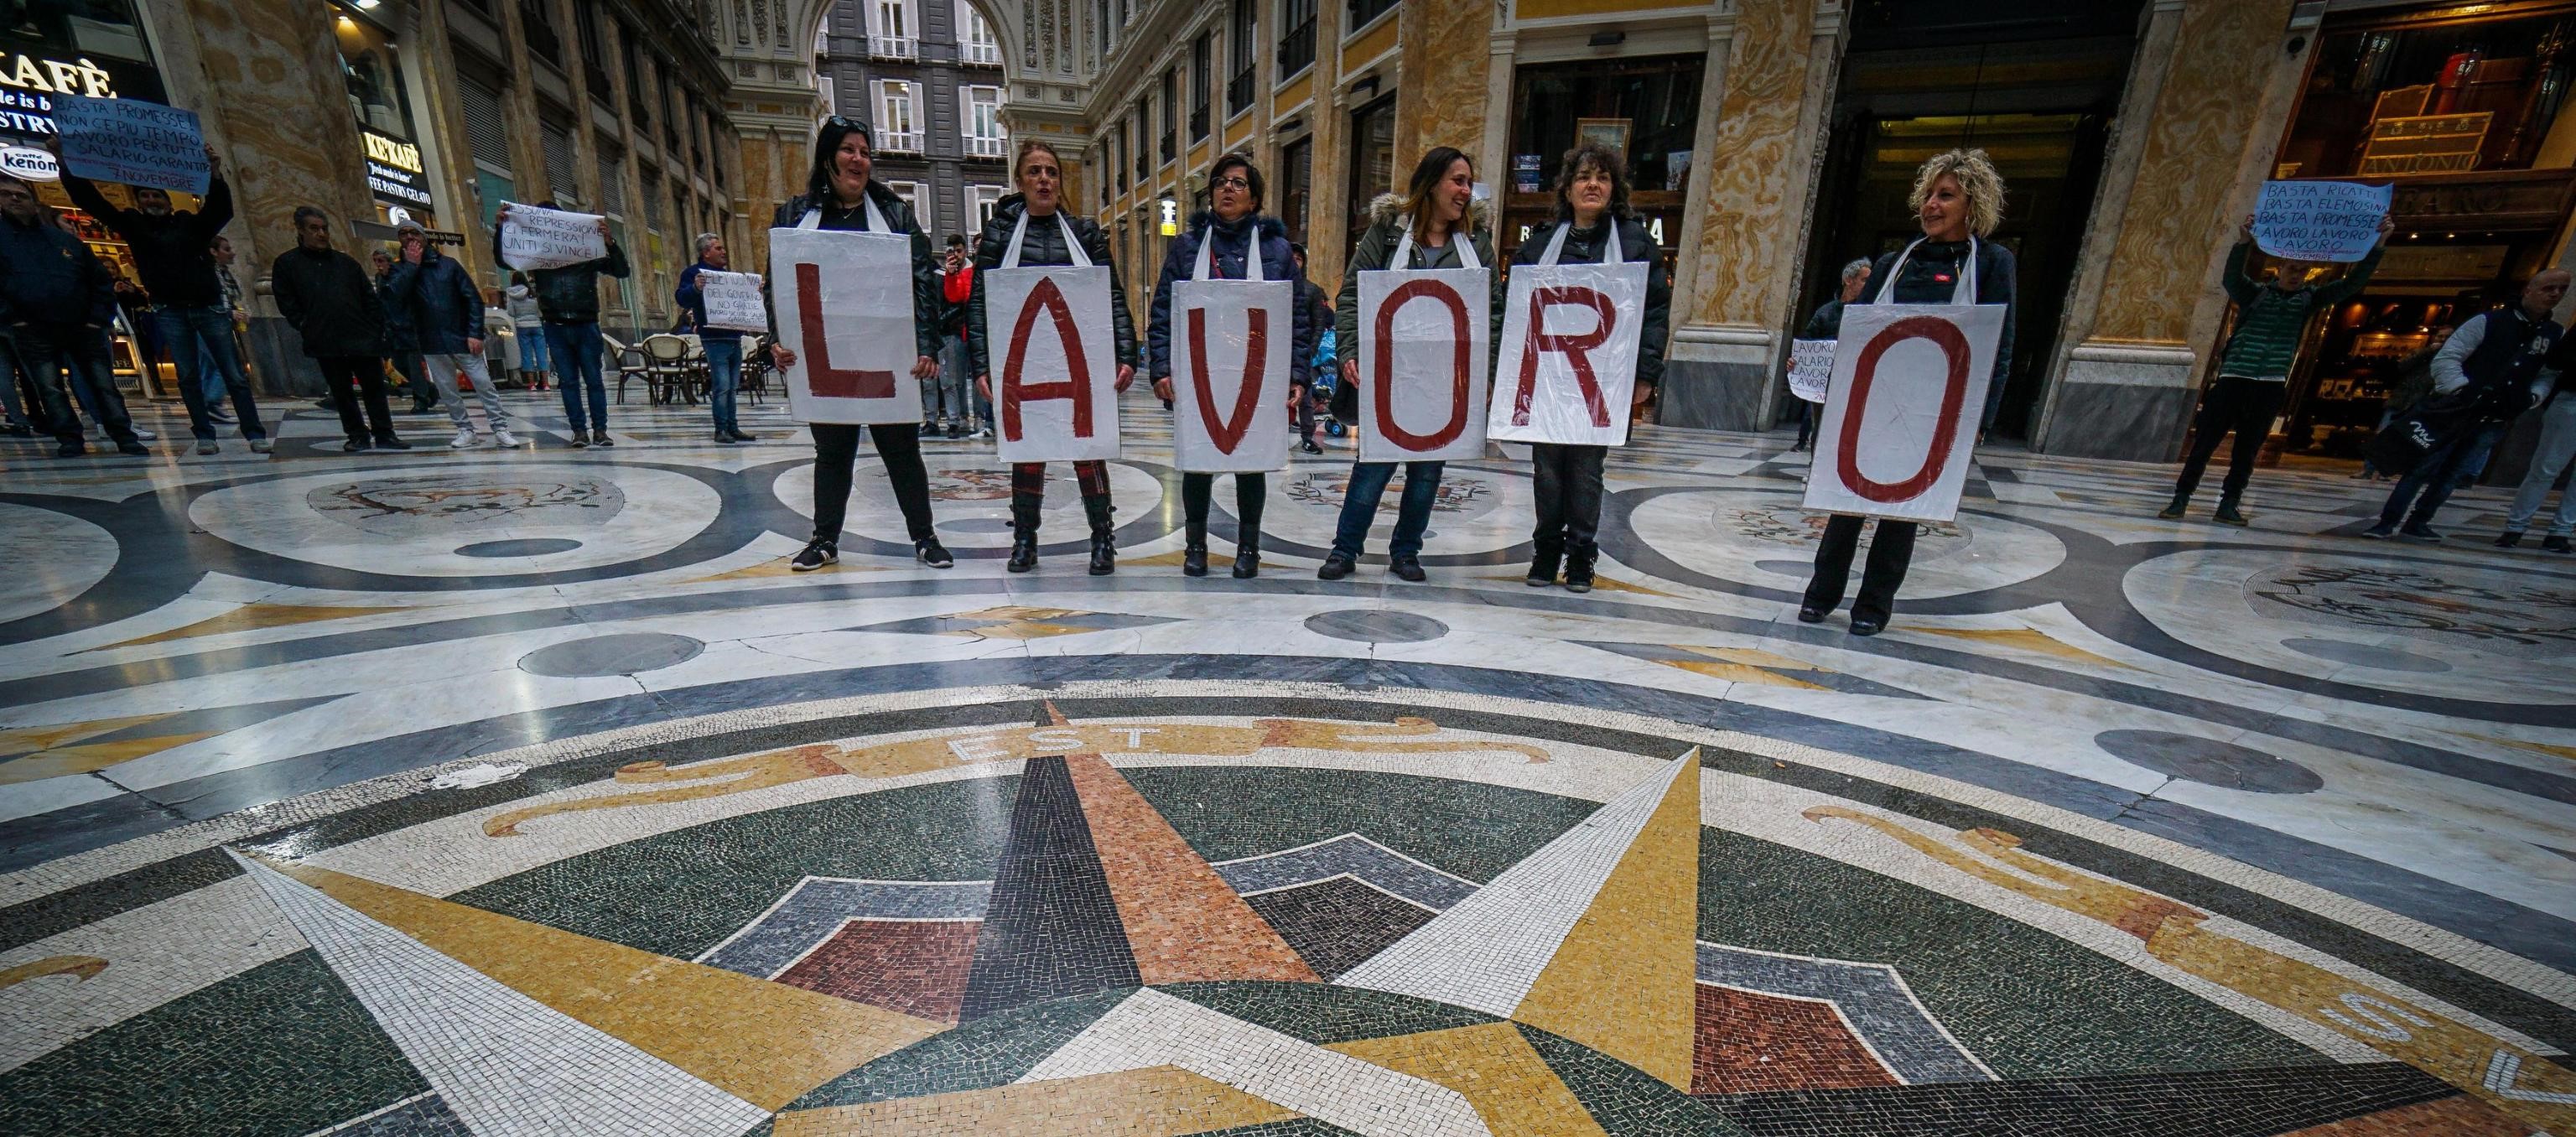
(1958, 199)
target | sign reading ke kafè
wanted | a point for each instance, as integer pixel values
(28, 84)
(394, 171)
(2425, 144)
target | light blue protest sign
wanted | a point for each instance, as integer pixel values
(2320, 221)
(131, 141)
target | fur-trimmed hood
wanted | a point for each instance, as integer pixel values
(1389, 208)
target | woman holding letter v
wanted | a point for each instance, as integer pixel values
(1958, 198)
(839, 195)
(1231, 242)
(1436, 224)
(1029, 230)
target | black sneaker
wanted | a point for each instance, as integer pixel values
(580, 441)
(1335, 567)
(2556, 543)
(1309, 447)
(600, 439)
(817, 554)
(356, 445)
(132, 449)
(1408, 569)
(2421, 533)
(389, 442)
(2174, 511)
(739, 436)
(2227, 515)
(2380, 532)
(956, 430)
(932, 553)
(2509, 539)
(724, 439)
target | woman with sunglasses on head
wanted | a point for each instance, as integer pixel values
(1033, 221)
(1230, 231)
(1958, 198)
(1593, 225)
(1436, 223)
(840, 195)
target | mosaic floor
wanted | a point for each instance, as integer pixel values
(529, 793)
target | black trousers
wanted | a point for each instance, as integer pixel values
(352, 378)
(1890, 553)
(42, 351)
(1251, 491)
(1566, 480)
(836, 450)
(2243, 406)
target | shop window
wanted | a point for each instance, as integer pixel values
(1645, 108)
(97, 27)
(372, 76)
(2413, 95)
(1372, 166)
(1297, 44)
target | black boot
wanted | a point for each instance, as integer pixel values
(1104, 554)
(2174, 510)
(1194, 548)
(1578, 569)
(1024, 550)
(1247, 555)
(1542, 570)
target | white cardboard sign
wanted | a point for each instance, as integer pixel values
(732, 300)
(1230, 345)
(1424, 338)
(2319, 220)
(845, 308)
(1569, 364)
(539, 238)
(1811, 368)
(1900, 421)
(1055, 379)
(134, 142)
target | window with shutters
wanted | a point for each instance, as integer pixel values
(484, 135)
(1241, 33)
(984, 137)
(898, 124)
(981, 201)
(557, 144)
(1297, 43)
(894, 32)
(612, 183)
(976, 46)
(1201, 81)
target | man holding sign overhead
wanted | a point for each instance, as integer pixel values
(565, 254)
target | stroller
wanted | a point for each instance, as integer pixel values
(1325, 397)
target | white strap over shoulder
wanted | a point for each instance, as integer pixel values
(813, 218)
(1556, 244)
(1403, 255)
(1020, 230)
(1206, 269)
(1967, 282)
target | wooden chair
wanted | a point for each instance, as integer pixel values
(667, 368)
(629, 361)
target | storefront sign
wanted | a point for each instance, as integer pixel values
(30, 79)
(29, 163)
(394, 170)
(2425, 144)
(134, 142)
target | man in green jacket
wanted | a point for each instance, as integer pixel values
(2254, 370)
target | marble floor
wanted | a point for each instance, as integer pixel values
(529, 792)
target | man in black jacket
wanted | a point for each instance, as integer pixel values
(446, 316)
(189, 312)
(325, 295)
(569, 299)
(54, 297)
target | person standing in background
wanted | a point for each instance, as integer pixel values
(1318, 311)
(56, 303)
(1826, 324)
(529, 327)
(402, 341)
(446, 315)
(953, 401)
(2498, 365)
(568, 298)
(326, 297)
(723, 346)
(237, 304)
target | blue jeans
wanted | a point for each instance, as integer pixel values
(1412, 518)
(724, 377)
(201, 347)
(532, 347)
(575, 348)
(2452, 464)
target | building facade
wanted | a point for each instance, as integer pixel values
(928, 75)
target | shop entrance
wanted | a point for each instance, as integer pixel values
(2035, 84)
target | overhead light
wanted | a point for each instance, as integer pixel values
(368, 5)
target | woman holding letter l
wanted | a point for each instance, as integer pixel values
(1958, 198)
(1592, 222)
(1437, 223)
(1232, 232)
(1044, 230)
(839, 195)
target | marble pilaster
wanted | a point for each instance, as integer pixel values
(1443, 48)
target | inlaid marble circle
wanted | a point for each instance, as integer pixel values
(1476, 511)
(2364, 655)
(1764, 537)
(421, 521)
(1376, 626)
(77, 555)
(970, 500)
(625, 653)
(2210, 762)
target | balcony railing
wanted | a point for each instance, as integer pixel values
(980, 54)
(900, 142)
(1199, 123)
(1297, 49)
(980, 147)
(1238, 92)
(894, 47)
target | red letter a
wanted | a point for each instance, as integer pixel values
(1077, 382)
(825, 380)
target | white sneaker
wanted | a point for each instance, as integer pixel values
(505, 438)
(464, 439)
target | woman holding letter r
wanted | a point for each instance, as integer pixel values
(1958, 198)
(840, 195)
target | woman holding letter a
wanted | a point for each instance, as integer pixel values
(1436, 224)
(839, 195)
(1231, 233)
(1958, 197)
(1044, 235)
(1592, 221)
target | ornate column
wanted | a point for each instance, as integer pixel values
(1772, 82)
(1443, 52)
(2209, 94)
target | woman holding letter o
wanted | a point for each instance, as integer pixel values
(840, 195)
(1232, 231)
(1435, 218)
(1958, 198)
(1044, 231)
(1592, 217)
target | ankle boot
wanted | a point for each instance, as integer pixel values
(1578, 569)
(1024, 550)
(2174, 510)
(1194, 549)
(1104, 554)
(1542, 570)
(1247, 555)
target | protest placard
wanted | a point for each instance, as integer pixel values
(732, 300)
(1569, 360)
(132, 141)
(1231, 374)
(2320, 221)
(845, 309)
(1055, 363)
(1909, 381)
(1424, 339)
(536, 238)
(1811, 368)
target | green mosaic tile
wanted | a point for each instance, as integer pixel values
(2029, 1004)
(1627, 1101)
(1324, 1015)
(279, 1050)
(682, 892)
(1475, 831)
(978, 1055)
